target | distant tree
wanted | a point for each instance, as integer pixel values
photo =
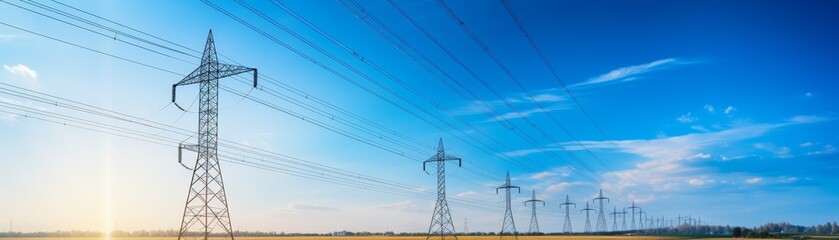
(736, 232)
(750, 234)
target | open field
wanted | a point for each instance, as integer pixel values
(398, 238)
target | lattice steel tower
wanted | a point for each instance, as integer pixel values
(623, 214)
(633, 207)
(534, 223)
(441, 220)
(566, 228)
(509, 224)
(615, 214)
(601, 217)
(588, 223)
(206, 209)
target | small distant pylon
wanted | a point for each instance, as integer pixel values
(623, 214)
(566, 228)
(509, 225)
(601, 218)
(633, 207)
(588, 223)
(641, 220)
(465, 226)
(441, 221)
(534, 223)
(615, 214)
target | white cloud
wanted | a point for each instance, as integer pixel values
(700, 181)
(779, 152)
(709, 108)
(807, 119)
(526, 113)
(548, 97)
(628, 73)
(687, 118)
(806, 144)
(699, 128)
(562, 186)
(808, 94)
(699, 156)
(467, 194)
(754, 180)
(666, 159)
(22, 71)
(724, 158)
(542, 175)
(788, 180)
(828, 149)
(730, 109)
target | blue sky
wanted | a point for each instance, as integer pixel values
(716, 109)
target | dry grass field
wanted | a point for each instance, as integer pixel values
(401, 238)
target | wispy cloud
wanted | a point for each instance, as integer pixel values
(630, 72)
(562, 186)
(730, 109)
(527, 113)
(467, 194)
(827, 149)
(21, 70)
(667, 160)
(754, 180)
(709, 108)
(778, 152)
(687, 118)
(788, 180)
(699, 128)
(700, 181)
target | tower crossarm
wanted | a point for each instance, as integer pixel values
(190, 147)
(224, 70)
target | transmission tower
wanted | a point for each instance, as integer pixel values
(206, 203)
(441, 221)
(588, 223)
(601, 217)
(623, 224)
(509, 224)
(567, 227)
(641, 219)
(633, 207)
(465, 226)
(615, 214)
(534, 223)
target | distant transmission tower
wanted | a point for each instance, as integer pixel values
(601, 218)
(623, 214)
(534, 223)
(441, 221)
(567, 227)
(615, 214)
(465, 226)
(641, 219)
(588, 223)
(633, 207)
(509, 224)
(206, 203)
